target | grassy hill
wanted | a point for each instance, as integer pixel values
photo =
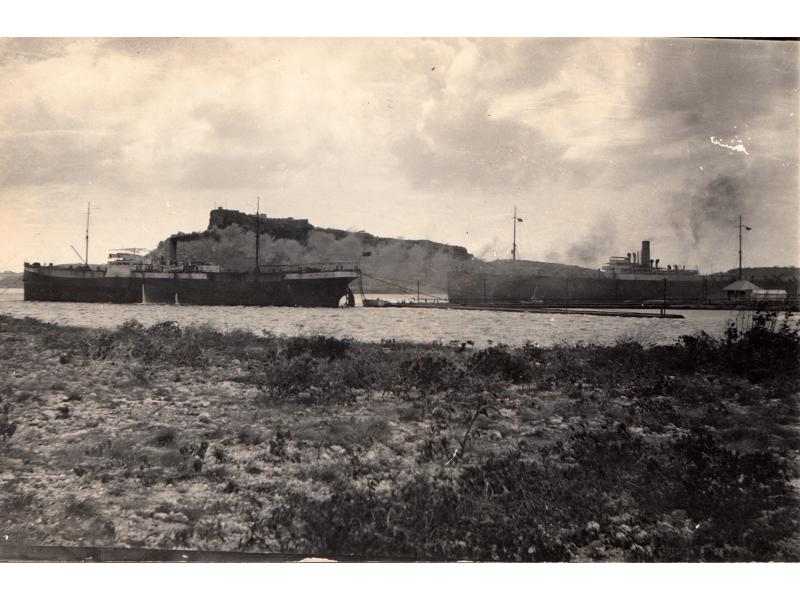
(10, 279)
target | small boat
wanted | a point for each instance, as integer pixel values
(533, 300)
(377, 303)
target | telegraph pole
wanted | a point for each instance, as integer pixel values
(258, 220)
(740, 227)
(86, 251)
(514, 246)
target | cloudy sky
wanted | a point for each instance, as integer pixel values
(599, 143)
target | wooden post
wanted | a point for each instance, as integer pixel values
(258, 219)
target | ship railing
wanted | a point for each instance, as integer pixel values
(67, 266)
(268, 268)
(640, 270)
(309, 267)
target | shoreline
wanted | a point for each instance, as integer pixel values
(188, 438)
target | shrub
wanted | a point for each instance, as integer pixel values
(328, 348)
(7, 427)
(292, 375)
(164, 437)
(79, 508)
(277, 445)
(685, 499)
(696, 351)
(164, 329)
(767, 347)
(163, 342)
(249, 437)
(432, 372)
(498, 361)
(532, 352)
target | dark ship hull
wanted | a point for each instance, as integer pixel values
(322, 287)
(625, 280)
(488, 285)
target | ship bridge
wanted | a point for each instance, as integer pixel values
(636, 263)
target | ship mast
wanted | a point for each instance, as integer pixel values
(258, 218)
(514, 246)
(86, 251)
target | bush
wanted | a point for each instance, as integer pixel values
(766, 348)
(249, 437)
(287, 377)
(163, 342)
(164, 437)
(603, 491)
(532, 352)
(498, 361)
(329, 348)
(431, 372)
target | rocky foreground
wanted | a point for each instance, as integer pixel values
(195, 439)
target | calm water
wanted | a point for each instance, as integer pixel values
(375, 324)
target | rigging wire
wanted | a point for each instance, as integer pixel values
(400, 287)
(9, 286)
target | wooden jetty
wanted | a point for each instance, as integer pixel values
(661, 314)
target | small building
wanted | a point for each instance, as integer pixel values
(778, 296)
(741, 290)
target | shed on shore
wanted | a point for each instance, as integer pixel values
(741, 290)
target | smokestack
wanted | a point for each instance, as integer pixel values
(629, 256)
(658, 259)
(645, 253)
(172, 249)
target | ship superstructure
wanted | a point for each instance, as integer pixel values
(127, 280)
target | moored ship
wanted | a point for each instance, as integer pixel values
(128, 278)
(131, 278)
(634, 278)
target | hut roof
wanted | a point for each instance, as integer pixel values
(741, 285)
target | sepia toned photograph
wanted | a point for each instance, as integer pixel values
(399, 300)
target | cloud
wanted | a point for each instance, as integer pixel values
(716, 80)
(408, 137)
(235, 170)
(30, 50)
(585, 107)
(463, 139)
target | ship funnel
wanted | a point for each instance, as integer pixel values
(645, 253)
(172, 249)
(657, 260)
(629, 256)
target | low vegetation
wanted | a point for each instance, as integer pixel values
(191, 438)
